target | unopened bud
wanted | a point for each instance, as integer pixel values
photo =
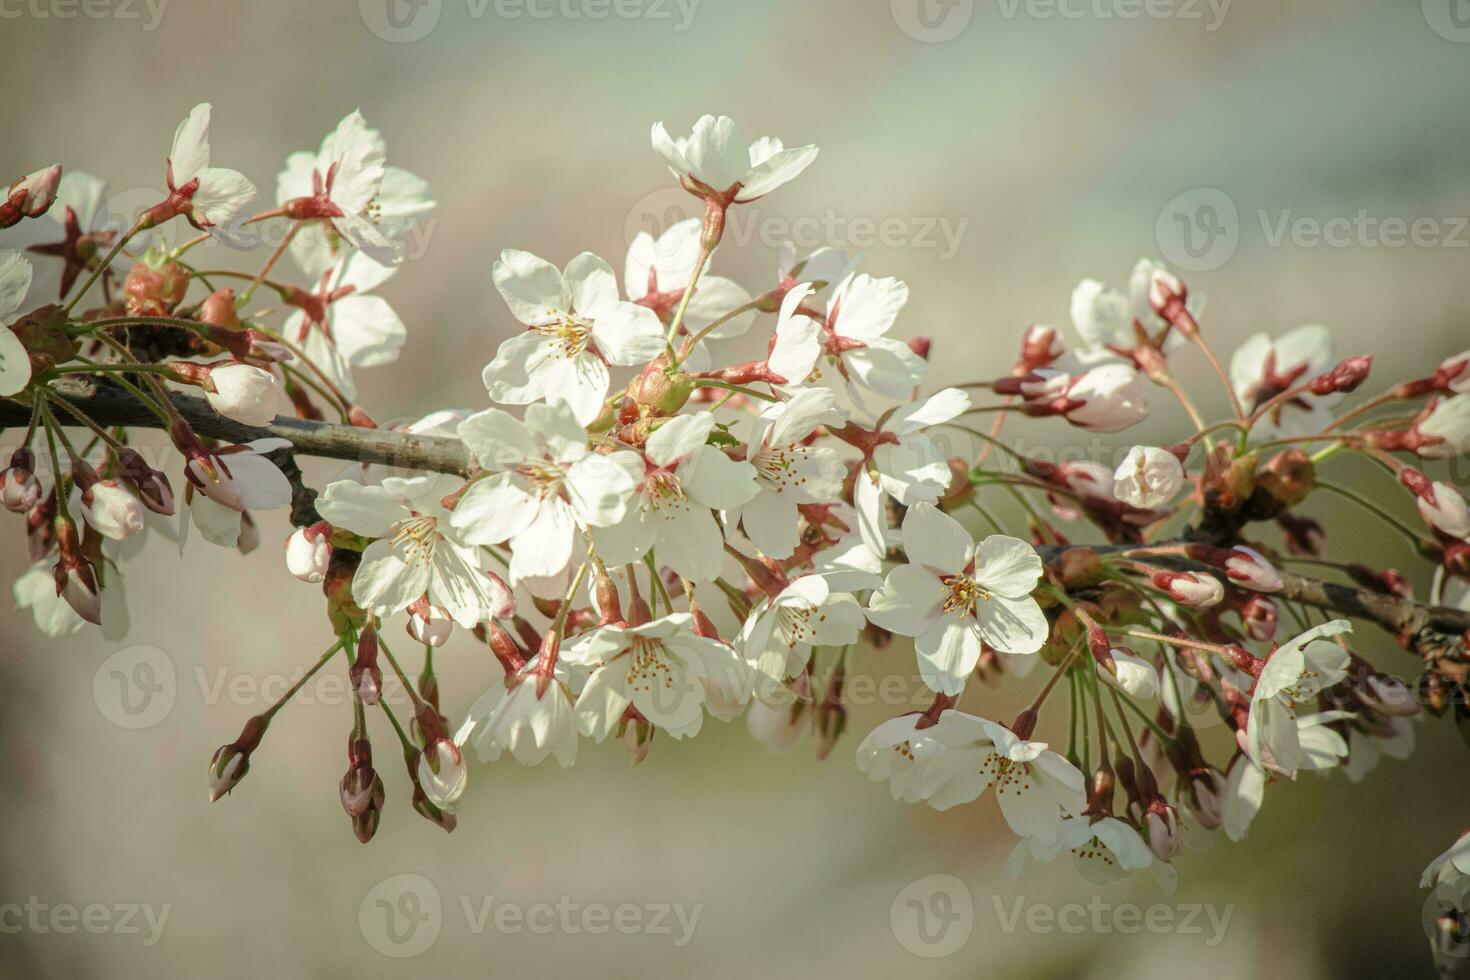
(1189, 588)
(442, 774)
(231, 762)
(636, 734)
(218, 310)
(366, 675)
(309, 552)
(428, 624)
(1345, 377)
(18, 484)
(30, 196)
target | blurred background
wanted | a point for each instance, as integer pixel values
(989, 152)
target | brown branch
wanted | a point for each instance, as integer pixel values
(111, 404)
(1434, 631)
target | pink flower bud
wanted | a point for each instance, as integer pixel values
(1106, 398)
(1189, 588)
(1345, 377)
(242, 392)
(428, 624)
(113, 510)
(153, 487)
(1440, 504)
(1260, 616)
(1454, 373)
(309, 552)
(442, 774)
(76, 578)
(502, 599)
(1039, 348)
(18, 484)
(366, 676)
(227, 768)
(636, 735)
(1243, 566)
(31, 196)
(1148, 477)
(1163, 830)
(1203, 794)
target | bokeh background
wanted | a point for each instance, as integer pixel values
(1010, 149)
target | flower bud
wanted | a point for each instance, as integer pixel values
(1162, 825)
(1346, 376)
(154, 287)
(1203, 795)
(1439, 504)
(1243, 566)
(428, 624)
(442, 774)
(1304, 536)
(777, 727)
(636, 734)
(18, 484)
(218, 310)
(74, 573)
(1189, 588)
(309, 552)
(1443, 430)
(366, 675)
(113, 510)
(153, 487)
(660, 391)
(231, 762)
(1260, 616)
(31, 196)
(361, 788)
(1454, 373)
(242, 392)
(1039, 348)
(1148, 477)
(502, 598)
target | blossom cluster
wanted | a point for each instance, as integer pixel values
(648, 531)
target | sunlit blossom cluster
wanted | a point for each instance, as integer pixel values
(683, 498)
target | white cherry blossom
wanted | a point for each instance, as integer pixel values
(1293, 676)
(349, 194)
(1034, 786)
(665, 671)
(811, 611)
(512, 715)
(213, 199)
(679, 481)
(716, 158)
(576, 327)
(417, 552)
(15, 283)
(543, 484)
(1148, 477)
(955, 595)
(1105, 318)
(1262, 368)
(656, 273)
(340, 325)
(787, 471)
(859, 315)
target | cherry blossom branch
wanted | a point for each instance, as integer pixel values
(111, 405)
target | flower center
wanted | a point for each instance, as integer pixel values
(544, 478)
(417, 536)
(571, 332)
(961, 594)
(663, 489)
(796, 624)
(778, 467)
(649, 671)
